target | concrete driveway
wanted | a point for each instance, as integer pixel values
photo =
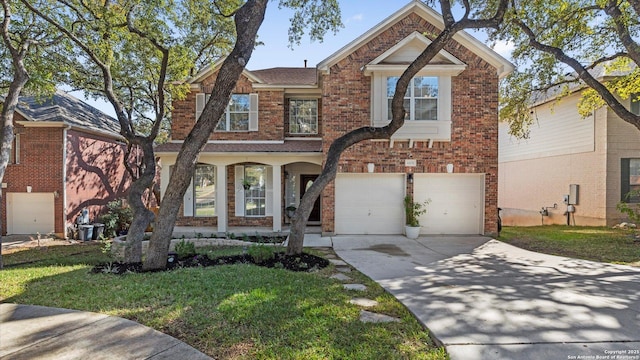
(484, 299)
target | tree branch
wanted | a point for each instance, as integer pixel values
(613, 10)
(583, 74)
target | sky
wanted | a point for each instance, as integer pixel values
(358, 16)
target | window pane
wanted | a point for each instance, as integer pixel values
(255, 196)
(236, 117)
(239, 122)
(426, 109)
(204, 190)
(425, 87)
(222, 124)
(420, 100)
(303, 116)
(391, 87)
(407, 107)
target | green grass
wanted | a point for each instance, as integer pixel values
(591, 243)
(227, 312)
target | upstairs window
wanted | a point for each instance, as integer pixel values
(303, 116)
(240, 115)
(236, 117)
(420, 100)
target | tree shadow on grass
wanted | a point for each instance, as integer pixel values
(233, 311)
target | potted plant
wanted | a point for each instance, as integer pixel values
(290, 211)
(246, 184)
(413, 210)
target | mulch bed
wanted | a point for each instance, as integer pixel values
(300, 263)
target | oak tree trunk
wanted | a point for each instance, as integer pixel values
(248, 20)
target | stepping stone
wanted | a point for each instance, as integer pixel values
(358, 287)
(370, 317)
(343, 269)
(341, 277)
(363, 302)
(330, 256)
(338, 262)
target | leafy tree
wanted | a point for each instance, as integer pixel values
(28, 57)
(133, 53)
(316, 15)
(563, 46)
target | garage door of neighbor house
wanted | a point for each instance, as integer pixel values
(457, 203)
(30, 213)
(369, 203)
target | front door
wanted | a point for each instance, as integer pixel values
(305, 183)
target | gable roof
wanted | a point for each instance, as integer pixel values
(67, 110)
(277, 76)
(503, 66)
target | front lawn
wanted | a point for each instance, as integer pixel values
(591, 243)
(228, 312)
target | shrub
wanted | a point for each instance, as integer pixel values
(413, 210)
(260, 253)
(117, 219)
(630, 209)
(185, 249)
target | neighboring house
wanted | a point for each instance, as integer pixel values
(272, 141)
(66, 156)
(599, 155)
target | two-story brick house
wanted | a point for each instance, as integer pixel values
(271, 143)
(66, 156)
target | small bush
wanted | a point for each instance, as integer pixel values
(628, 208)
(260, 253)
(118, 218)
(185, 249)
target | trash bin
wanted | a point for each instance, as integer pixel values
(85, 232)
(98, 230)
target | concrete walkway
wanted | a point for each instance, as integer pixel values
(38, 332)
(484, 299)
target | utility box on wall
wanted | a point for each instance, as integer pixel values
(573, 194)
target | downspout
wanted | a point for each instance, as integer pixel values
(64, 180)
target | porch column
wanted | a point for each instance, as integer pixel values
(277, 198)
(221, 197)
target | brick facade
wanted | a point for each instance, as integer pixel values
(345, 103)
(473, 147)
(94, 171)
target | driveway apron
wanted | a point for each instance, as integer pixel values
(484, 299)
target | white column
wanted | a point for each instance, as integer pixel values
(277, 198)
(221, 197)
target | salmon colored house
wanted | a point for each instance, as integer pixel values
(66, 156)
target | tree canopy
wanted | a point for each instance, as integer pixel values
(569, 45)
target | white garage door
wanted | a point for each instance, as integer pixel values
(457, 203)
(30, 213)
(369, 204)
